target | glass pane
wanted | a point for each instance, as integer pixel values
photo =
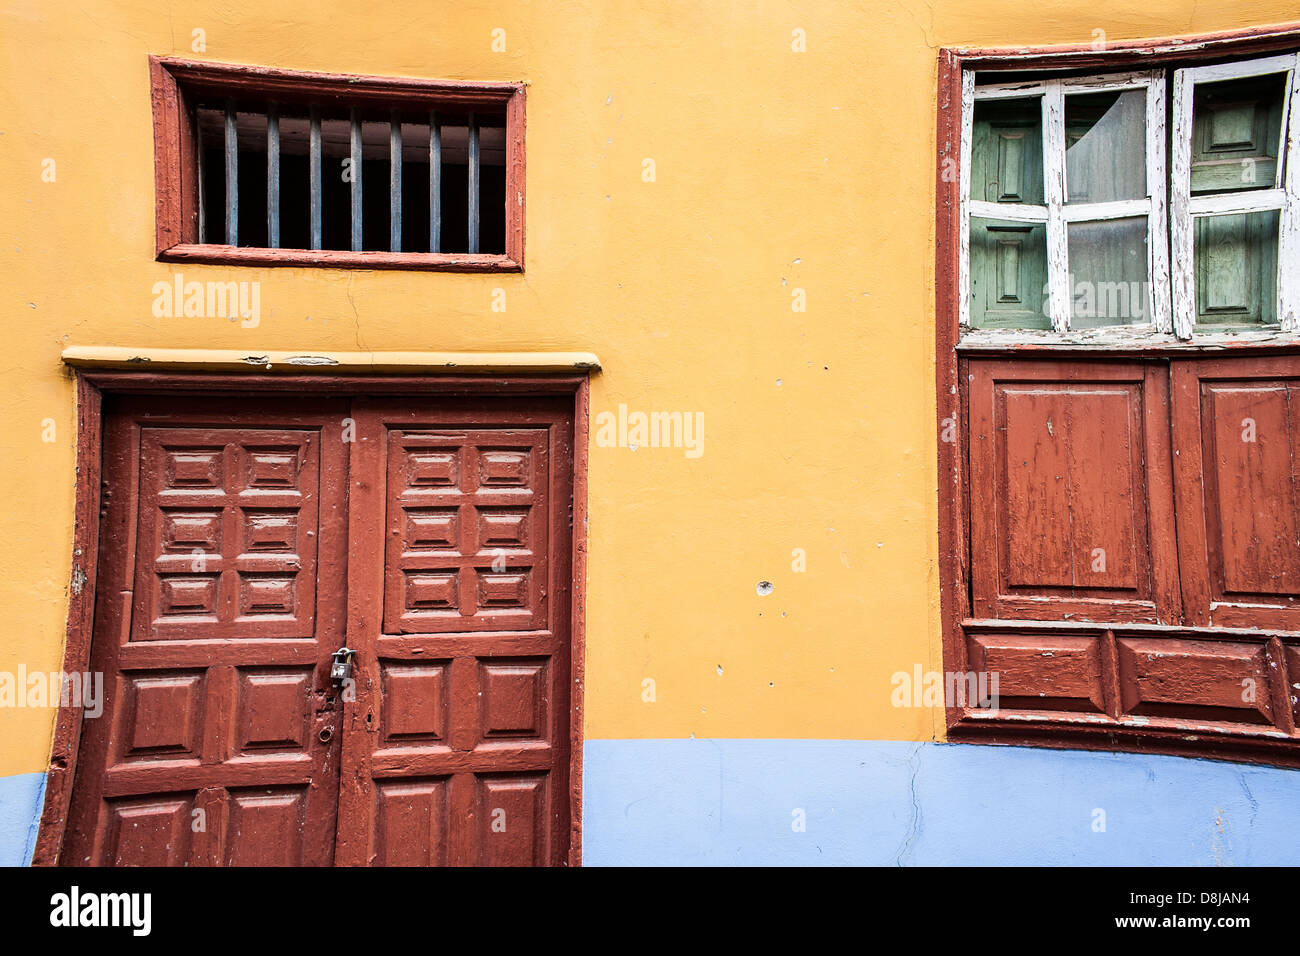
(1008, 275)
(1109, 284)
(1236, 269)
(1236, 127)
(1007, 151)
(1105, 146)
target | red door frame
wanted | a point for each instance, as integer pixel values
(93, 385)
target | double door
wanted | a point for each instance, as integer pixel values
(331, 632)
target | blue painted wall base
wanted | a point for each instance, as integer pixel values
(20, 813)
(835, 802)
(725, 802)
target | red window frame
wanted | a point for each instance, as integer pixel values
(174, 85)
(965, 639)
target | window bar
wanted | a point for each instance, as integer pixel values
(313, 166)
(232, 176)
(273, 175)
(356, 181)
(435, 183)
(395, 182)
(473, 183)
(203, 200)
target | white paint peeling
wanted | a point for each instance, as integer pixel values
(1058, 257)
(963, 166)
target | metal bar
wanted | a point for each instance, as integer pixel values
(435, 183)
(395, 181)
(473, 183)
(273, 176)
(203, 199)
(356, 181)
(313, 165)
(232, 176)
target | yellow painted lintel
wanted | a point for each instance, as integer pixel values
(112, 356)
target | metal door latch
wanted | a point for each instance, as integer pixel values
(341, 668)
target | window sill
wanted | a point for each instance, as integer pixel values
(1029, 730)
(339, 258)
(1121, 340)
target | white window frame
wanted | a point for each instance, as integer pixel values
(1170, 234)
(1056, 213)
(1284, 196)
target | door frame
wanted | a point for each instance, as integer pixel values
(91, 387)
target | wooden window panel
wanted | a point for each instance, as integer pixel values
(1135, 680)
(1073, 462)
(1236, 428)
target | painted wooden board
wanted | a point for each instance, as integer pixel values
(1235, 428)
(1071, 460)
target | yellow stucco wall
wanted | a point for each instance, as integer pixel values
(775, 170)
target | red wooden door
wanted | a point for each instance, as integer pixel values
(234, 564)
(220, 597)
(456, 748)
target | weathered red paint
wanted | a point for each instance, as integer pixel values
(219, 602)
(1072, 459)
(1235, 427)
(455, 751)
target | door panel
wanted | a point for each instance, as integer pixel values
(214, 637)
(460, 570)
(456, 503)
